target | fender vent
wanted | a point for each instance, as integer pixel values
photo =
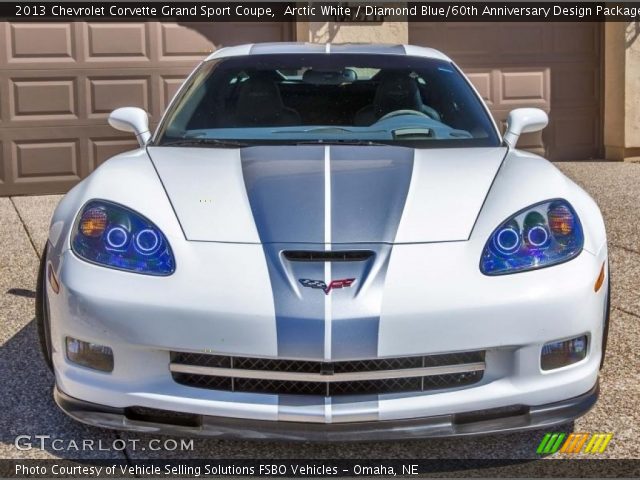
(327, 256)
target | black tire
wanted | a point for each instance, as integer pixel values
(605, 330)
(42, 311)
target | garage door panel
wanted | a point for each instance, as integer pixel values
(529, 86)
(101, 149)
(574, 132)
(59, 82)
(576, 39)
(43, 98)
(105, 94)
(576, 85)
(124, 42)
(183, 43)
(40, 160)
(4, 43)
(43, 42)
(462, 41)
(46, 156)
(553, 66)
(483, 83)
(456, 35)
(523, 39)
(169, 85)
(4, 98)
(53, 159)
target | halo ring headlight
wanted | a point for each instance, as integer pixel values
(537, 236)
(117, 237)
(130, 242)
(552, 234)
(507, 240)
(147, 241)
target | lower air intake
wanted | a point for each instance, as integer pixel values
(362, 377)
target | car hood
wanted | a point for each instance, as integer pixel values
(327, 194)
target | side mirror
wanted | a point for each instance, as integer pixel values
(524, 120)
(131, 119)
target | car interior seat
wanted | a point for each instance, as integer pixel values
(395, 92)
(260, 104)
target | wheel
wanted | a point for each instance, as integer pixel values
(605, 331)
(42, 311)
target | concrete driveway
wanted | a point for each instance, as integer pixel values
(26, 406)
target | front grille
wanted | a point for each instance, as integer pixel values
(327, 256)
(303, 377)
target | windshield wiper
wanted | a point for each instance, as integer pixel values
(343, 142)
(204, 142)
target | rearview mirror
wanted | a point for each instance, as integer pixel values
(524, 120)
(132, 119)
(326, 77)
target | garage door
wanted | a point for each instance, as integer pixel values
(553, 66)
(59, 81)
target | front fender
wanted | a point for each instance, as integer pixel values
(525, 179)
(128, 179)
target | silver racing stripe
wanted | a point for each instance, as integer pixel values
(327, 199)
(285, 187)
(369, 190)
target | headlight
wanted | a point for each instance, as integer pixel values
(114, 236)
(538, 236)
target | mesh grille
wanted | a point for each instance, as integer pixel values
(325, 256)
(280, 387)
(309, 366)
(283, 387)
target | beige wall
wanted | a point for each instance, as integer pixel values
(632, 89)
(622, 91)
(614, 116)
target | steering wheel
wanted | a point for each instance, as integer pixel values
(397, 113)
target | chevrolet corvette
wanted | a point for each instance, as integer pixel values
(325, 242)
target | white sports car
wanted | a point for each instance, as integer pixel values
(325, 242)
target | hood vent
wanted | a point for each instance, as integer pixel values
(327, 256)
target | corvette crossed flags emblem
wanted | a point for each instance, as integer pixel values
(319, 284)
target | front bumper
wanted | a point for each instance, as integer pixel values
(423, 313)
(512, 418)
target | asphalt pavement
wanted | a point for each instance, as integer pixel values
(27, 408)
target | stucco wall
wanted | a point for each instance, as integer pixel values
(632, 89)
(622, 91)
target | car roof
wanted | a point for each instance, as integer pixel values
(307, 48)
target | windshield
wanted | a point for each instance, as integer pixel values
(335, 98)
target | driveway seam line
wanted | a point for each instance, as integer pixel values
(626, 311)
(627, 249)
(125, 452)
(24, 226)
